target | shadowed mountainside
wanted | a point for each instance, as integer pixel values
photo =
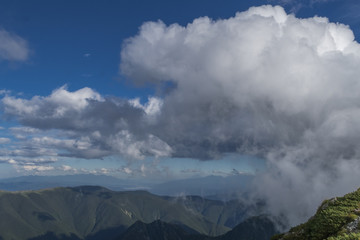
(256, 228)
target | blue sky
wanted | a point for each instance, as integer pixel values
(73, 52)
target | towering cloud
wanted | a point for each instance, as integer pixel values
(263, 83)
(259, 81)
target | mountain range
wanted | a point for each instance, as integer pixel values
(92, 213)
(214, 187)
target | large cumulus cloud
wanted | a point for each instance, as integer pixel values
(263, 82)
(260, 80)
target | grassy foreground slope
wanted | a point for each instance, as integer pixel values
(336, 219)
(88, 212)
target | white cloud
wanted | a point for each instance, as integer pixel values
(124, 142)
(37, 168)
(13, 47)
(60, 102)
(67, 168)
(4, 92)
(27, 130)
(19, 106)
(127, 170)
(72, 170)
(22, 133)
(4, 140)
(151, 107)
(34, 165)
(89, 125)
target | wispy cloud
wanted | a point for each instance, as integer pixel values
(4, 140)
(349, 12)
(296, 5)
(13, 47)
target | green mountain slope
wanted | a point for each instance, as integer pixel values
(94, 212)
(227, 214)
(336, 219)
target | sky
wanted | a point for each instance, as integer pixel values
(164, 90)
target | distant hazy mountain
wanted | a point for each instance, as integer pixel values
(93, 213)
(215, 187)
(41, 182)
